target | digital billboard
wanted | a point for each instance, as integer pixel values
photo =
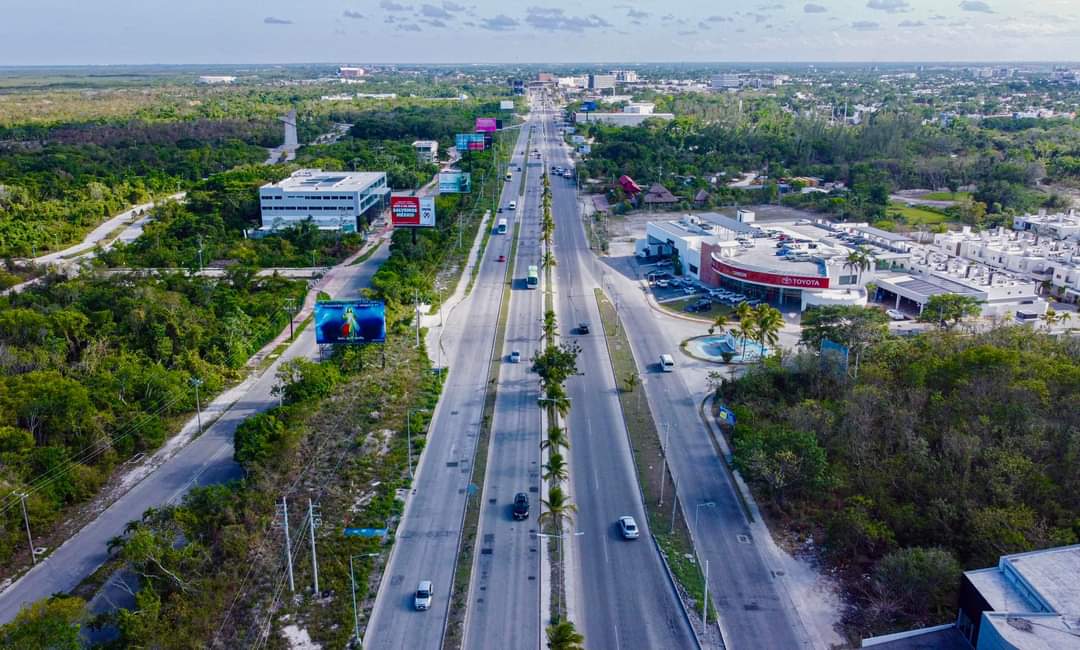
(350, 322)
(455, 182)
(469, 142)
(486, 125)
(587, 107)
(412, 211)
(506, 105)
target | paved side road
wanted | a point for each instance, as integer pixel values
(204, 461)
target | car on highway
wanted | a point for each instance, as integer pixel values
(515, 356)
(501, 258)
(628, 527)
(512, 206)
(422, 597)
(521, 506)
(896, 314)
(667, 363)
(583, 327)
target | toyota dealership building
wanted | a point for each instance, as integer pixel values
(799, 264)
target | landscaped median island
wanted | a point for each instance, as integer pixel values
(671, 533)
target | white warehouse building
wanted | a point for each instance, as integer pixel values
(331, 200)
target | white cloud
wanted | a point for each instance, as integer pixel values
(812, 8)
(865, 25)
(890, 6)
(976, 5)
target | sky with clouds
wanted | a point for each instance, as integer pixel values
(446, 31)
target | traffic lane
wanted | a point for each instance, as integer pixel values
(503, 594)
(743, 586)
(426, 546)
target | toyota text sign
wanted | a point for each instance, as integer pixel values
(772, 279)
(412, 211)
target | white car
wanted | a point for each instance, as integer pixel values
(628, 527)
(895, 314)
(422, 598)
(515, 356)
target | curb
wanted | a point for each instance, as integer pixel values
(641, 492)
(722, 448)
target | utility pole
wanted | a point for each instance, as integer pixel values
(288, 545)
(290, 307)
(705, 600)
(314, 521)
(674, 500)
(416, 304)
(663, 466)
(355, 617)
(26, 520)
(196, 382)
(200, 254)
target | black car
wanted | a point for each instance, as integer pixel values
(583, 327)
(521, 506)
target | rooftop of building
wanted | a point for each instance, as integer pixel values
(317, 180)
(1069, 218)
(430, 144)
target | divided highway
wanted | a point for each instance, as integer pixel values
(623, 594)
(504, 596)
(426, 543)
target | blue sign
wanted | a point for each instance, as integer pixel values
(470, 142)
(587, 107)
(365, 532)
(727, 415)
(350, 322)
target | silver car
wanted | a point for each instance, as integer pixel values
(628, 527)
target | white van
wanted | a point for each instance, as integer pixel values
(513, 205)
(667, 364)
(422, 598)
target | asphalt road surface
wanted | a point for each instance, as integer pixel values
(623, 594)
(504, 595)
(754, 610)
(426, 543)
(206, 460)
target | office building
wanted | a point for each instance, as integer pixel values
(216, 79)
(331, 200)
(727, 81)
(427, 151)
(625, 76)
(347, 72)
(601, 81)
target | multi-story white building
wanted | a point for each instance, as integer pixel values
(331, 200)
(640, 108)
(427, 151)
(601, 81)
(725, 81)
(348, 72)
(625, 76)
(1058, 226)
(216, 79)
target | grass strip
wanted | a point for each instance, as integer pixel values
(366, 256)
(454, 636)
(677, 550)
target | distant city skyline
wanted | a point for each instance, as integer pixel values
(434, 31)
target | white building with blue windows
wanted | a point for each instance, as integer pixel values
(331, 200)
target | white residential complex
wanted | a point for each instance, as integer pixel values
(331, 200)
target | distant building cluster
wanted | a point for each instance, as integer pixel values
(331, 200)
(212, 79)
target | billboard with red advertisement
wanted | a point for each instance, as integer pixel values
(412, 211)
(771, 279)
(486, 125)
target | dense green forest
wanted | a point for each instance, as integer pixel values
(889, 151)
(94, 370)
(947, 451)
(53, 192)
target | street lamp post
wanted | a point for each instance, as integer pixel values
(408, 433)
(697, 510)
(352, 581)
(559, 541)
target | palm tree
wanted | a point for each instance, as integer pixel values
(547, 260)
(558, 508)
(768, 321)
(719, 323)
(555, 470)
(1051, 318)
(745, 314)
(551, 325)
(564, 636)
(556, 397)
(556, 439)
(858, 261)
